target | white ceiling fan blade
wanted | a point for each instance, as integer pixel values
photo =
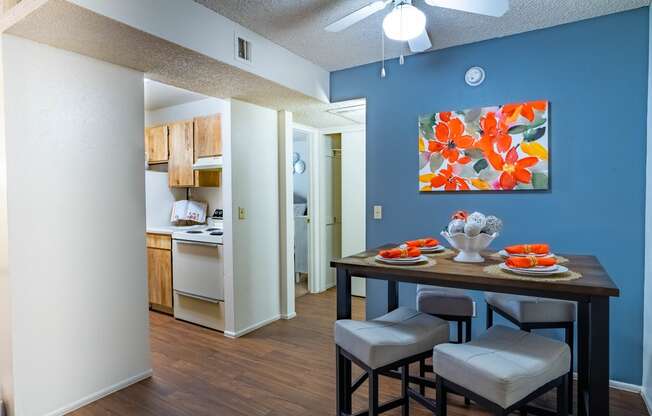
(495, 8)
(357, 16)
(420, 43)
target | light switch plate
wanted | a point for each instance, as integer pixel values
(241, 213)
(378, 212)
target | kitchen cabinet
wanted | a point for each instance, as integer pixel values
(208, 136)
(181, 144)
(156, 144)
(181, 159)
(159, 272)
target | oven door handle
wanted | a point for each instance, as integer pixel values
(190, 295)
(197, 243)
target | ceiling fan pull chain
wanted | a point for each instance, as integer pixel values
(382, 47)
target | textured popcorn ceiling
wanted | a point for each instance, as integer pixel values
(67, 26)
(298, 24)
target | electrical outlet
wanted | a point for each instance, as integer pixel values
(378, 212)
(242, 214)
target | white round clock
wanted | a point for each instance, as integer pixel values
(474, 76)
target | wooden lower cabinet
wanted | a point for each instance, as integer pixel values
(159, 272)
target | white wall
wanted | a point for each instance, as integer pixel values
(214, 35)
(252, 169)
(354, 203)
(647, 300)
(73, 134)
(188, 111)
(286, 215)
(209, 106)
(6, 353)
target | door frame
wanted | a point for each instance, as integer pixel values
(317, 261)
(314, 209)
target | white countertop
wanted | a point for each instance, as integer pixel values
(169, 229)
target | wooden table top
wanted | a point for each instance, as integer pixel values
(594, 281)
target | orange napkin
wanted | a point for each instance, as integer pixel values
(423, 242)
(530, 261)
(528, 249)
(400, 252)
(460, 215)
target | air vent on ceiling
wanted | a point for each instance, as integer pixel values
(242, 49)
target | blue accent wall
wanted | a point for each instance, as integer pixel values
(594, 73)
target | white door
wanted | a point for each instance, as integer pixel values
(353, 200)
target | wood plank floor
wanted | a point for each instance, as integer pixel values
(286, 368)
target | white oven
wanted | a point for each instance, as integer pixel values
(198, 277)
(198, 269)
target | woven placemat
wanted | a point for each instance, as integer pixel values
(496, 256)
(372, 260)
(495, 271)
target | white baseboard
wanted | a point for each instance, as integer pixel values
(619, 385)
(647, 400)
(102, 393)
(290, 316)
(251, 328)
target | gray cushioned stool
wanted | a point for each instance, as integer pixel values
(450, 304)
(380, 345)
(503, 370)
(530, 313)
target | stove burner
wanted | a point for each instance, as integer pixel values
(194, 232)
(217, 233)
(213, 229)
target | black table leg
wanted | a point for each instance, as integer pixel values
(343, 365)
(583, 324)
(392, 295)
(343, 294)
(598, 387)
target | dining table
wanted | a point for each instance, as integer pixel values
(592, 292)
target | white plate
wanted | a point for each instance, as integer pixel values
(552, 268)
(405, 261)
(535, 272)
(402, 259)
(504, 253)
(436, 249)
(433, 249)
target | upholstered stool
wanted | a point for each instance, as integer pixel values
(503, 370)
(450, 304)
(530, 313)
(454, 305)
(380, 345)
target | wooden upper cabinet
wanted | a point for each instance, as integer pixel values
(180, 171)
(156, 144)
(208, 136)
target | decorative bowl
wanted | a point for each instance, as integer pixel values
(469, 247)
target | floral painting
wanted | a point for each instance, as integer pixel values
(501, 148)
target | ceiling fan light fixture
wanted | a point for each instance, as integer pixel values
(405, 22)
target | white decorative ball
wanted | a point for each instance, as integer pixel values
(493, 225)
(477, 218)
(456, 227)
(471, 229)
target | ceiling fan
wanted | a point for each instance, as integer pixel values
(407, 23)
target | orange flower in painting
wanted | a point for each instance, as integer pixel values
(450, 139)
(494, 131)
(512, 111)
(513, 170)
(449, 181)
